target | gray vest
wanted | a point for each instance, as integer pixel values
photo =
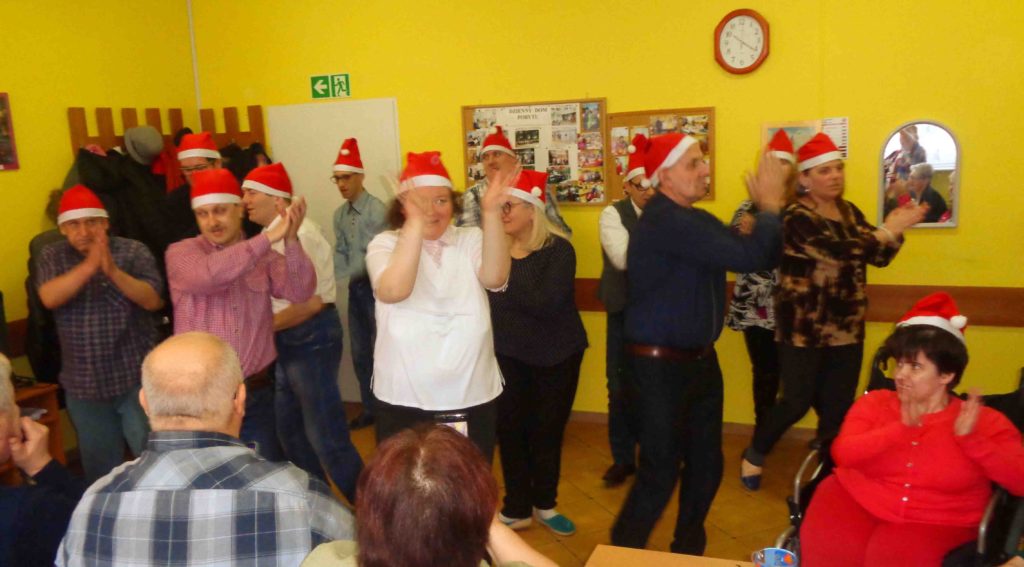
(612, 289)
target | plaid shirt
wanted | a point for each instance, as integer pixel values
(202, 498)
(471, 208)
(226, 291)
(103, 335)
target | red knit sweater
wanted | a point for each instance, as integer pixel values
(925, 474)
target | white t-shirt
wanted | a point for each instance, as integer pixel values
(320, 253)
(435, 349)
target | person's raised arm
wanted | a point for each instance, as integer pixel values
(58, 289)
(398, 278)
(294, 278)
(865, 435)
(138, 291)
(614, 237)
(496, 262)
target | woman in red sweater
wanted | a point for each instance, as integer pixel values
(915, 466)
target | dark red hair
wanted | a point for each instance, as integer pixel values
(426, 498)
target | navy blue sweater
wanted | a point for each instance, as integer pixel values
(677, 260)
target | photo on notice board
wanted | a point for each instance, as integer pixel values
(620, 141)
(525, 138)
(8, 151)
(526, 157)
(563, 115)
(591, 117)
(484, 118)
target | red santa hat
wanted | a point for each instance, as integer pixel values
(937, 310)
(424, 170)
(664, 151)
(212, 186)
(781, 146)
(496, 142)
(818, 150)
(270, 179)
(637, 153)
(198, 145)
(348, 157)
(79, 202)
(530, 186)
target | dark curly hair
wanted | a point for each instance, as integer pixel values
(945, 351)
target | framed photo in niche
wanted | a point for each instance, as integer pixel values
(8, 150)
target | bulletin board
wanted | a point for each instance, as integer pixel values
(566, 138)
(622, 126)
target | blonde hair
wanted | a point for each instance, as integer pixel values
(543, 228)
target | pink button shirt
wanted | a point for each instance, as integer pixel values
(226, 291)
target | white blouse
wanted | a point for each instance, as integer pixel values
(435, 349)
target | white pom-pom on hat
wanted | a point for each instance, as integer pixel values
(345, 152)
(645, 183)
(535, 192)
(631, 149)
(492, 130)
(958, 321)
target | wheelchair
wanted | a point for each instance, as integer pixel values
(1001, 527)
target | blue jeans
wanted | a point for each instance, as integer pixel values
(258, 425)
(310, 418)
(103, 426)
(362, 326)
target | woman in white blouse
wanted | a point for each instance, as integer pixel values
(434, 355)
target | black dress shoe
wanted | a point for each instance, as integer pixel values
(363, 420)
(617, 474)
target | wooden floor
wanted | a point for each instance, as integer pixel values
(739, 523)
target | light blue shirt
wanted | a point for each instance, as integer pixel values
(355, 225)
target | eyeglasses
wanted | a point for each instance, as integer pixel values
(638, 186)
(336, 178)
(195, 168)
(506, 208)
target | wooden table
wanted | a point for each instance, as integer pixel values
(39, 396)
(611, 556)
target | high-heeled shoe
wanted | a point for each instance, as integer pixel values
(751, 482)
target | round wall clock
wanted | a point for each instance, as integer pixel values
(741, 41)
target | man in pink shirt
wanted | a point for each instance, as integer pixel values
(221, 283)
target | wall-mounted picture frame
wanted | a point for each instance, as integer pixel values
(8, 149)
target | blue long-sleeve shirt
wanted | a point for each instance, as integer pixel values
(677, 260)
(355, 225)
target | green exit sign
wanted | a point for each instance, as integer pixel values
(330, 86)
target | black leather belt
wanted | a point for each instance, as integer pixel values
(260, 379)
(668, 353)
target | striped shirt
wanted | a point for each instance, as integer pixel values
(226, 291)
(103, 335)
(202, 498)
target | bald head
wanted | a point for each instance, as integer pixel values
(191, 381)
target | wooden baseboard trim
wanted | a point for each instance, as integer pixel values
(983, 306)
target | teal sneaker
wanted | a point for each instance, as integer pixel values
(558, 524)
(515, 523)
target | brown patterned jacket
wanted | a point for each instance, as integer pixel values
(820, 300)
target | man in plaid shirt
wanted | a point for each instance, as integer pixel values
(198, 495)
(102, 291)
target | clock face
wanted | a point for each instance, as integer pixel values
(741, 42)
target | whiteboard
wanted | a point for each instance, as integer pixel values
(306, 139)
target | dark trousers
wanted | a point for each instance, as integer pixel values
(259, 426)
(679, 411)
(825, 377)
(362, 326)
(764, 362)
(532, 413)
(621, 434)
(480, 419)
(310, 417)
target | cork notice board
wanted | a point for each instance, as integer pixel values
(566, 138)
(622, 126)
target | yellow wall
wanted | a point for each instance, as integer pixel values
(877, 62)
(59, 54)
